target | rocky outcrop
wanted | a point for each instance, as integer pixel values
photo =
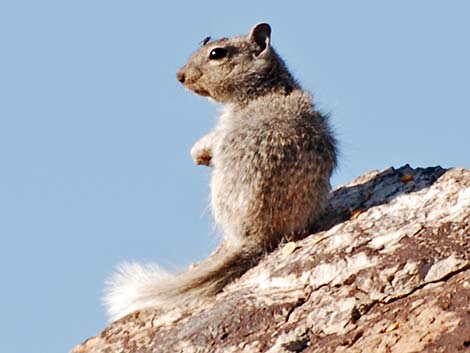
(388, 270)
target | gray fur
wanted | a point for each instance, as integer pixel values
(272, 155)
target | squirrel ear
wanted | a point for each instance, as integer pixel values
(261, 35)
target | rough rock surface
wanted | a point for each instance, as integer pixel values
(387, 271)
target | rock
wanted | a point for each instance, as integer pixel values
(386, 270)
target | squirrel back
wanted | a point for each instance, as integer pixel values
(272, 155)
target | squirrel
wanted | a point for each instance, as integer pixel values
(271, 154)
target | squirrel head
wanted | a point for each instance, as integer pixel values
(236, 69)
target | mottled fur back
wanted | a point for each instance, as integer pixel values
(271, 155)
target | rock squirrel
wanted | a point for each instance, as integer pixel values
(272, 155)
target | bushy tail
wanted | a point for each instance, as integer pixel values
(135, 287)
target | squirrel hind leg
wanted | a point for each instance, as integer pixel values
(132, 287)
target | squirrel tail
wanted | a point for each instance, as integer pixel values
(136, 287)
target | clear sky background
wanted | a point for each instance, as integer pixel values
(95, 130)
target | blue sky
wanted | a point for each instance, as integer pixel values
(95, 131)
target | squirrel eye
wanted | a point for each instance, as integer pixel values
(218, 53)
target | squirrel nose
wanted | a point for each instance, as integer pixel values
(180, 76)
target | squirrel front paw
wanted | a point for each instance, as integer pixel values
(201, 156)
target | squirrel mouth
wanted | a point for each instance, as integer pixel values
(201, 92)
